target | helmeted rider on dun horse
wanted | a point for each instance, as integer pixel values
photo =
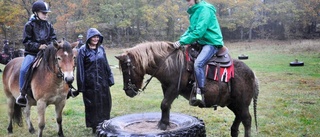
(38, 34)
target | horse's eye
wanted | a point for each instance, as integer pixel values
(58, 58)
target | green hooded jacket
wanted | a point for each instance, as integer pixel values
(204, 27)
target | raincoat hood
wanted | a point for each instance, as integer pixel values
(93, 32)
(201, 4)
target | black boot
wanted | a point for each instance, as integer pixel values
(198, 99)
(22, 99)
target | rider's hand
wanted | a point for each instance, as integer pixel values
(43, 46)
(176, 45)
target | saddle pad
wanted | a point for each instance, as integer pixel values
(226, 73)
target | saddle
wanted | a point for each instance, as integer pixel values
(222, 58)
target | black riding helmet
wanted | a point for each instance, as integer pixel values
(40, 6)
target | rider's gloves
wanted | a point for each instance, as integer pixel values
(43, 46)
(176, 44)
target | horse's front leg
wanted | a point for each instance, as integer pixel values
(169, 95)
(59, 108)
(29, 123)
(11, 105)
(41, 106)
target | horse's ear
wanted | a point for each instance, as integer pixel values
(57, 44)
(120, 57)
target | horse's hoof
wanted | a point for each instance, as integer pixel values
(162, 126)
(9, 129)
(31, 130)
(61, 135)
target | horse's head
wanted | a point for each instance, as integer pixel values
(132, 78)
(65, 60)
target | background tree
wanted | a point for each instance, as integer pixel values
(124, 22)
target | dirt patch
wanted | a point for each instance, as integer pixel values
(147, 127)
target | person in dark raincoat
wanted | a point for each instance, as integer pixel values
(94, 77)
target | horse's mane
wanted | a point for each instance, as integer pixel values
(49, 54)
(146, 54)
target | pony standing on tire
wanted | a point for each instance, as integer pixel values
(162, 61)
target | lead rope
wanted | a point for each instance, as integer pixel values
(70, 90)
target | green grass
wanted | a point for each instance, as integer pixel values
(288, 103)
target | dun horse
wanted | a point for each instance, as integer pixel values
(49, 85)
(168, 65)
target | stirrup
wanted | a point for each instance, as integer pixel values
(22, 100)
(198, 100)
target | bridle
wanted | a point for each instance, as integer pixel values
(130, 68)
(59, 74)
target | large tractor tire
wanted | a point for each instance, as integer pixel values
(145, 125)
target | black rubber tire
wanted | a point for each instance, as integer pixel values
(241, 57)
(296, 63)
(187, 126)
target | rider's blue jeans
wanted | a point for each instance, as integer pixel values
(24, 68)
(199, 65)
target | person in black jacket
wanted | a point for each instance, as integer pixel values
(6, 47)
(94, 77)
(38, 34)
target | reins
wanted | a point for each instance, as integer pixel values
(148, 81)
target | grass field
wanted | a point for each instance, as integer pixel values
(288, 103)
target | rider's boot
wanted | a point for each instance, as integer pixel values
(198, 99)
(22, 99)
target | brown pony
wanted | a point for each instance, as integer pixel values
(49, 85)
(168, 65)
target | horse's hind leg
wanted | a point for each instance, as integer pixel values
(27, 113)
(59, 109)
(242, 115)
(246, 121)
(235, 126)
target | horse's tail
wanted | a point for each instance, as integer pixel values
(17, 115)
(255, 100)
